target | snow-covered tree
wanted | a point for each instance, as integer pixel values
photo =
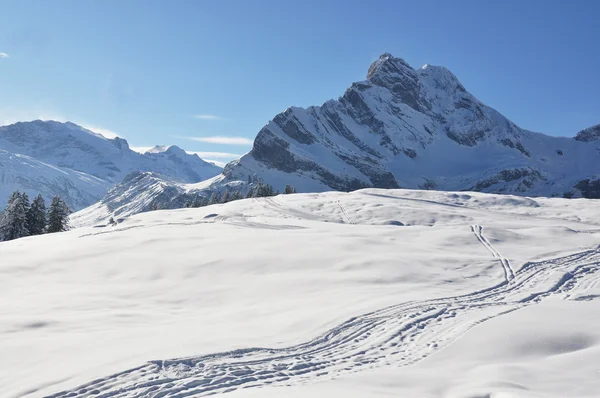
(26, 203)
(14, 220)
(250, 193)
(225, 197)
(262, 190)
(36, 216)
(196, 202)
(214, 198)
(58, 216)
(204, 202)
(236, 195)
(289, 189)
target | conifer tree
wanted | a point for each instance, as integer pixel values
(197, 202)
(225, 197)
(214, 199)
(36, 216)
(236, 195)
(289, 189)
(58, 216)
(250, 193)
(14, 220)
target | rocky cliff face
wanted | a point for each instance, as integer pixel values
(590, 134)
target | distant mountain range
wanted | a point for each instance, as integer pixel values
(399, 128)
(63, 158)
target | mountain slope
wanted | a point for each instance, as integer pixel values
(83, 154)
(20, 172)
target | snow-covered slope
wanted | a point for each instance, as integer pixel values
(85, 155)
(33, 176)
(415, 129)
(144, 191)
(374, 293)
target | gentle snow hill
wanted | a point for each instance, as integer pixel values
(85, 156)
(364, 294)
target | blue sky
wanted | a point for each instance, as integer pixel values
(185, 72)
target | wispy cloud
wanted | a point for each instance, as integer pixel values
(3, 55)
(220, 139)
(217, 162)
(206, 116)
(99, 130)
(217, 155)
(141, 149)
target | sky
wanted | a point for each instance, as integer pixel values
(207, 75)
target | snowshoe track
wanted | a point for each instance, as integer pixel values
(399, 335)
(509, 273)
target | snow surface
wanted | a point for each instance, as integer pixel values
(365, 294)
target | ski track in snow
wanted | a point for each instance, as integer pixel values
(345, 213)
(509, 273)
(398, 335)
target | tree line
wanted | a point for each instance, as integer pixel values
(22, 218)
(258, 190)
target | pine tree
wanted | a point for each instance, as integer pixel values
(14, 220)
(197, 202)
(204, 202)
(36, 216)
(250, 193)
(58, 216)
(236, 195)
(214, 199)
(26, 203)
(225, 197)
(262, 190)
(289, 189)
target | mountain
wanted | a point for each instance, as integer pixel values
(21, 172)
(64, 158)
(410, 128)
(144, 191)
(399, 128)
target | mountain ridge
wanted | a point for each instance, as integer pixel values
(80, 165)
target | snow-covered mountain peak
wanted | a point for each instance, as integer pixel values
(440, 77)
(158, 149)
(175, 150)
(403, 127)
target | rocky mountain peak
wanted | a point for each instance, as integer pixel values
(387, 64)
(590, 134)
